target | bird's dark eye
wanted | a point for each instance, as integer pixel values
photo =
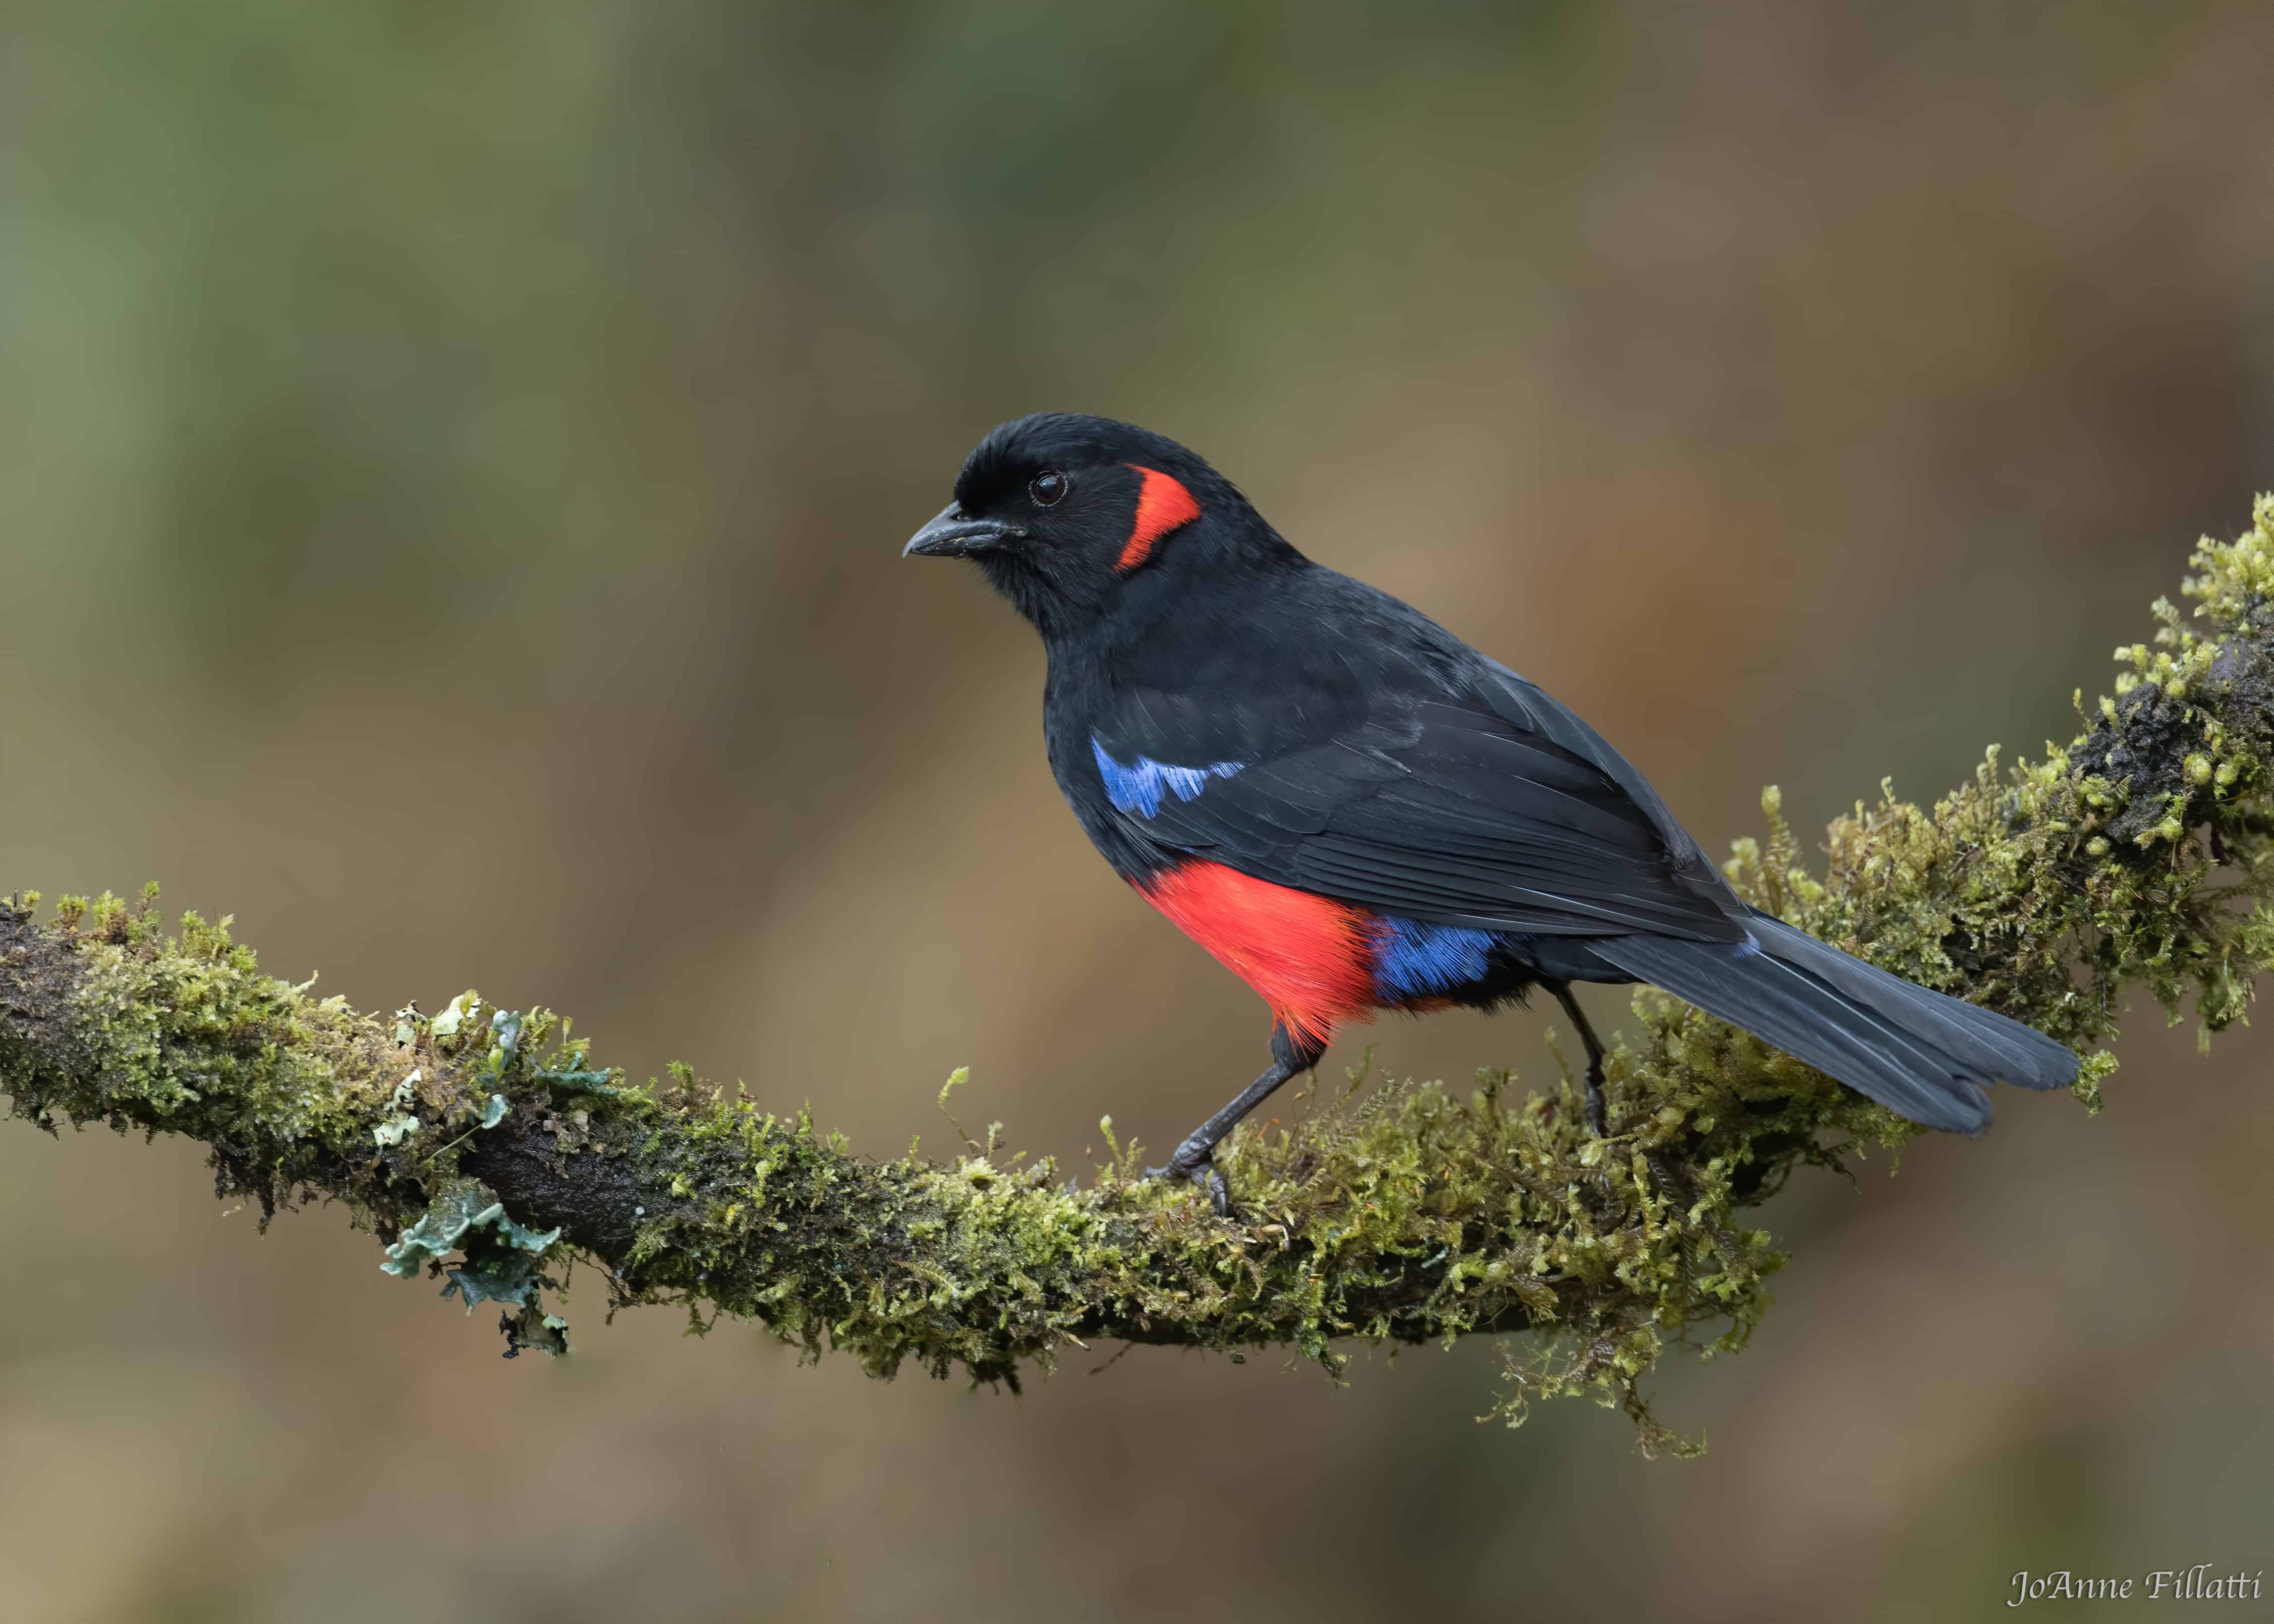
(1048, 488)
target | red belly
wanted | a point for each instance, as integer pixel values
(1311, 959)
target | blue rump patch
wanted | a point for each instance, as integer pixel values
(1138, 789)
(1416, 961)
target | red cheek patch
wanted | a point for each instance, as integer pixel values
(1162, 505)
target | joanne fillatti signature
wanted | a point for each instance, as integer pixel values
(2196, 1584)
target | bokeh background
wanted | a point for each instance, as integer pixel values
(453, 463)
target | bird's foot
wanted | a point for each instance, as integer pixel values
(1597, 1118)
(1204, 1173)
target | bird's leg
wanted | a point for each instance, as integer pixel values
(1594, 1046)
(1195, 1158)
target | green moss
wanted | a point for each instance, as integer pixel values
(2141, 853)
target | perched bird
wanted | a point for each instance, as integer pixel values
(1354, 811)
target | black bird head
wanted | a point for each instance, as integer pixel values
(1079, 520)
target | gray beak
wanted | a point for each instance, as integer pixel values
(951, 534)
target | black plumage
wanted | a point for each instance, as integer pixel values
(1216, 701)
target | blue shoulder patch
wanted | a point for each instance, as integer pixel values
(1412, 960)
(1138, 789)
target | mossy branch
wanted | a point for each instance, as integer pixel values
(484, 1145)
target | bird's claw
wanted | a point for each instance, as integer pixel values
(1204, 1174)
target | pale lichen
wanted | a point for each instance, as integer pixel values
(2142, 853)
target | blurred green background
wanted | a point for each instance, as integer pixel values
(453, 463)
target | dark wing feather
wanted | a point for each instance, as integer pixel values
(1484, 804)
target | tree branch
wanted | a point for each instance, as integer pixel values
(483, 1145)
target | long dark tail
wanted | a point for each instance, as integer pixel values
(1922, 1054)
